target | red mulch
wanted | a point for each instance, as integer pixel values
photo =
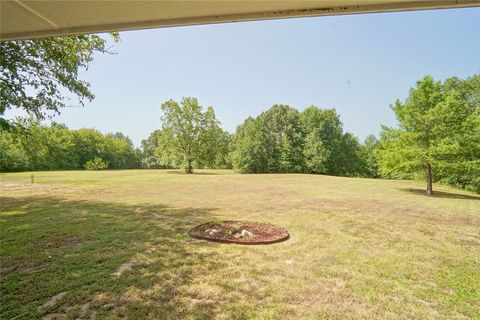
(263, 233)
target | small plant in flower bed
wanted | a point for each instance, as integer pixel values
(240, 232)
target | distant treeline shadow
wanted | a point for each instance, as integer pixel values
(440, 194)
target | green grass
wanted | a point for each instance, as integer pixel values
(359, 248)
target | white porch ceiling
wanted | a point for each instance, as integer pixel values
(23, 19)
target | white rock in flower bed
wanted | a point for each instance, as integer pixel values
(246, 234)
(243, 234)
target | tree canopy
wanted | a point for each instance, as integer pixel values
(438, 133)
(35, 74)
(29, 145)
(282, 139)
(189, 137)
(438, 137)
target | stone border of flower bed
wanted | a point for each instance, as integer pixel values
(200, 234)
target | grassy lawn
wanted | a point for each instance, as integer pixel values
(114, 245)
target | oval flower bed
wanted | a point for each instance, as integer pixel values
(242, 232)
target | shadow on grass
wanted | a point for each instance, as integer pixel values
(52, 245)
(440, 194)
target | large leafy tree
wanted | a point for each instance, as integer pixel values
(282, 139)
(248, 154)
(272, 142)
(462, 166)
(323, 126)
(35, 74)
(187, 134)
(439, 130)
(214, 143)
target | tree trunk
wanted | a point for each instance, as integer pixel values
(429, 179)
(189, 168)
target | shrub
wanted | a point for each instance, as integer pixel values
(96, 164)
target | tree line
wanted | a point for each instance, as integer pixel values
(280, 140)
(27, 145)
(284, 140)
(438, 137)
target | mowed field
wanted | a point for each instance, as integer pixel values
(114, 245)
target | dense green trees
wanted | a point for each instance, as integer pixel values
(438, 137)
(369, 157)
(150, 159)
(29, 145)
(96, 164)
(189, 137)
(283, 139)
(268, 143)
(438, 134)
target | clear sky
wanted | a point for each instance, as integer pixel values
(357, 64)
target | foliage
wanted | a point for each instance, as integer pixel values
(269, 143)
(350, 160)
(150, 159)
(214, 147)
(327, 127)
(34, 74)
(190, 137)
(12, 156)
(29, 145)
(247, 148)
(439, 134)
(368, 156)
(315, 152)
(96, 164)
(222, 157)
(282, 139)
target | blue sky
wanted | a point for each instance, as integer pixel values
(357, 64)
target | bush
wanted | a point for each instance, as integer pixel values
(96, 164)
